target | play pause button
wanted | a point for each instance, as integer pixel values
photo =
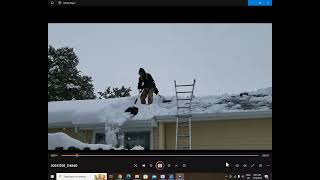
(159, 165)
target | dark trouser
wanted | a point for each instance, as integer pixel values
(147, 93)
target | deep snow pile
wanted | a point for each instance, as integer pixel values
(137, 148)
(255, 100)
(90, 111)
(62, 140)
(111, 111)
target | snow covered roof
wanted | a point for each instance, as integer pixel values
(111, 111)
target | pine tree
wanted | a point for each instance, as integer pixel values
(116, 92)
(64, 79)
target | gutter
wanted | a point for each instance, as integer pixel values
(219, 116)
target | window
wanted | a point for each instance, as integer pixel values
(137, 138)
(100, 138)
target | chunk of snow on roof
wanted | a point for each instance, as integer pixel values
(237, 106)
(263, 91)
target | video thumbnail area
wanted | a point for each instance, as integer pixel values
(160, 86)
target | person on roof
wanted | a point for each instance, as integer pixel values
(146, 86)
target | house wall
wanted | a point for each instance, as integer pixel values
(241, 134)
(162, 136)
(155, 138)
(84, 136)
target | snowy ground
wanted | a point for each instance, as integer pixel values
(62, 140)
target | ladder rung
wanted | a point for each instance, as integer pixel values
(184, 91)
(183, 107)
(183, 116)
(183, 147)
(184, 85)
(183, 135)
(183, 125)
(184, 99)
(183, 121)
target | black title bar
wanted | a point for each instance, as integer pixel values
(147, 2)
(159, 14)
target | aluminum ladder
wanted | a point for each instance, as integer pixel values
(183, 123)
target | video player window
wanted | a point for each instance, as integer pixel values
(175, 86)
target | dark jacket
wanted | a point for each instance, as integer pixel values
(146, 81)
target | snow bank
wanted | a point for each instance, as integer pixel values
(62, 140)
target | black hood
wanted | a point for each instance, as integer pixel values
(141, 70)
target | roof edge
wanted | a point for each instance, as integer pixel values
(220, 116)
(172, 118)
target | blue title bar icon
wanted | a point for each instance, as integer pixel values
(259, 2)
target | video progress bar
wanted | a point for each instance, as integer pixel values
(161, 155)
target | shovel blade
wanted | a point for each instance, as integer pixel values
(132, 110)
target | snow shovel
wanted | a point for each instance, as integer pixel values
(164, 100)
(156, 91)
(133, 110)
